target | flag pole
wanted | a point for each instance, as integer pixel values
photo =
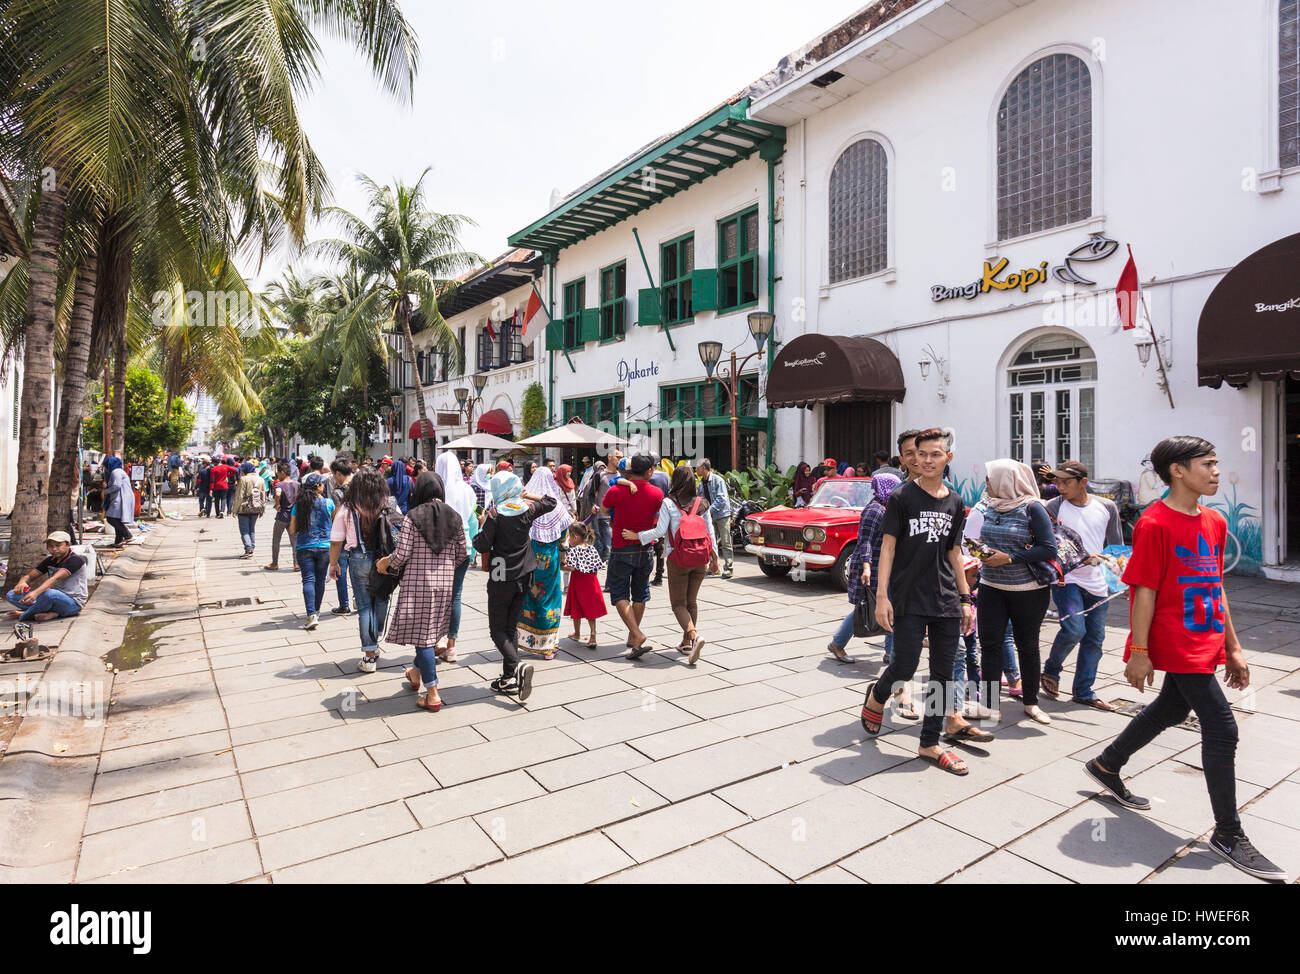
(1155, 340)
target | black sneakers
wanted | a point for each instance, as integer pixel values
(1114, 784)
(520, 685)
(341, 610)
(1239, 851)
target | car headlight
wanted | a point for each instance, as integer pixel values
(814, 534)
(753, 527)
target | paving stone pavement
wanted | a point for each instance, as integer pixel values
(252, 751)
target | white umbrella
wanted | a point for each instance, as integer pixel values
(482, 441)
(574, 433)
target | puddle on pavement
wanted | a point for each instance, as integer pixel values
(138, 645)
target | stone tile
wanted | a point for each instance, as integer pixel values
(1267, 750)
(109, 853)
(808, 738)
(461, 715)
(1281, 805)
(614, 702)
(1000, 815)
(333, 835)
(300, 747)
(588, 766)
(426, 744)
(1201, 866)
(570, 691)
(841, 698)
(573, 811)
(834, 876)
(816, 833)
(627, 725)
(162, 804)
(1005, 867)
(1179, 797)
(925, 788)
(1096, 843)
(674, 827)
(780, 789)
(282, 777)
(338, 796)
(705, 769)
(1062, 782)
(716, 861)
(151, 726)
(446, 804)
(580, 860)
(417, 857)
(926, 852)
(850, 764)
(524, 722)
(235, 863)
(116, 785)
(764, 718)
(688, 737)
(494, 757)
(722, 702)
(754, 674)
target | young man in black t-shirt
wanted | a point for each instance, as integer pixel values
(922, 587)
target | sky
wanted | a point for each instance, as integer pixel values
(517, 99)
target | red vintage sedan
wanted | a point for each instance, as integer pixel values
(820, 537)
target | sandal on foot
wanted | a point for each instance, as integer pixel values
(413, 679)
(906, 710)
(592, 644)
(1096, 703)
(871, 719)
(423, 704)
(1048, 687)
(970, 734)
(949, 761)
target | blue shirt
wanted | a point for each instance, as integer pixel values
(318, 534)
(715, 492)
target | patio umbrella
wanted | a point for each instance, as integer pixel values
(483, 441)
(574, 433)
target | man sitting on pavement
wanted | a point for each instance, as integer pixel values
(63, 591)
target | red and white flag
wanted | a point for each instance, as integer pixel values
(1128, 294)
(533, 319)
(491, 329)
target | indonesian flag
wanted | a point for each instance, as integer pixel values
(532, 320)
(1128, 294)
(491, 329)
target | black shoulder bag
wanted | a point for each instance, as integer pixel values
(379, 585)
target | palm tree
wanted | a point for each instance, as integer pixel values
(413, 257)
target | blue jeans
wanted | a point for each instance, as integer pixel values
(205, 502)
(342, 583)
(51, 600)
(457, 584)
(230, 500)
(1086, 630)
(628, 576)
(966, 663)
(314, 564)
(845, 632)
(247, 530)
(372, 613)
(426, 661)
(604, 535)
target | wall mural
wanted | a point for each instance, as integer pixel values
(1245, 545)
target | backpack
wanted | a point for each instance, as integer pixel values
(691, 546)
(381, 586)
(256, 501)
(1070, 554)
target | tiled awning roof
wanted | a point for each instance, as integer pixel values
(708, 146)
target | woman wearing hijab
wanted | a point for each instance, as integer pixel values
(802, 487)
(249, 506)
(505, 466)
(460, 499)
(841, 467)
(430, 544)
(119, 500)
(264, 471)
(478, 483)
(530, 468)
(507, 548)
(1019, 531)
(539, 617)
(564, 480)
(399, 486)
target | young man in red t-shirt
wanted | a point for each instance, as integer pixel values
(630, 562)
(220, 481)
(1179, 623)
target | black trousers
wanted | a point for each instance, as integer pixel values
(1181, 693)
(909, 630)
(120, 533)
(1025, 610)
(505, 601)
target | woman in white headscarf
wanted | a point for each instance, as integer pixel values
(461, 499)
(480, 484)
(539, 619)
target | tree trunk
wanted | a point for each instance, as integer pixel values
(119, 391)
(65, 472)
(403, 318)
(116, 250)
(31, 500)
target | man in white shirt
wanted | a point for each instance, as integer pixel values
(1096, 521)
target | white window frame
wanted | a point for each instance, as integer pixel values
(1006, 391)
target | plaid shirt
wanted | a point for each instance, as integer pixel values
(870, 527)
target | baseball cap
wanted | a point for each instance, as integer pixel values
(640, 464)
(1071, 468)
(62, 537)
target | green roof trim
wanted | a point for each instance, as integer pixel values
(716, 142)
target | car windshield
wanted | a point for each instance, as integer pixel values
(843, 494)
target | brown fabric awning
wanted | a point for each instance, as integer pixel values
(832, 368)
(1250, 325)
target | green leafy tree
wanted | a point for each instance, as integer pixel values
(533, 413)
(151, 426)
(301, 399)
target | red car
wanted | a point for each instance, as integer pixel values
(820, 536)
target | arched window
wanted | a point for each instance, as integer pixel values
(1288, 83)
(859, 197)
(1045, 147)
(1053, 387)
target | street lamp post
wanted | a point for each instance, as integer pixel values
(760, 326)
(394, 404)
(465, 402)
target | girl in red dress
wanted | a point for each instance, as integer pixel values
(585, 599)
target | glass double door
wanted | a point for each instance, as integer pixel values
(1052, 424)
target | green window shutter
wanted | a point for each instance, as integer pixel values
(648, 311)
(704, 290)
(554, 336)
(590, 328)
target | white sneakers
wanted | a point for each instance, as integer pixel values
(313, 621)
(368, 664)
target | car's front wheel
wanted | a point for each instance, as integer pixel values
(773, 570)
(840, 571)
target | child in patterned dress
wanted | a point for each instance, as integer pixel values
(584, 599)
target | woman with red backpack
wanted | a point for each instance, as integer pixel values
(692, 553)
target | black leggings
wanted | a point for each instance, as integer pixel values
(505, 602)
(1181, 693)
(1025, 610)
(120, 533)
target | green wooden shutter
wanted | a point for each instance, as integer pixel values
(590, 327)
(648, 311)
(704, 290)
(554, 336)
